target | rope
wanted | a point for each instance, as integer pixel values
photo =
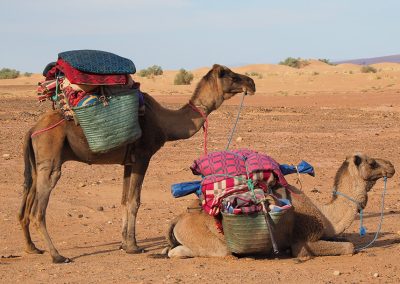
(205, 126)
(380, 221)
(47, 129)
(236, 122)
(362, 228)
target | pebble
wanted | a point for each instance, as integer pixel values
(6, 156)
(100, 208)
(81, 184)
(109, 222)
(336, 272)
(239, 139)
(376, 274)
(80, 216)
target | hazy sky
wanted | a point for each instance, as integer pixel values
(190, 34)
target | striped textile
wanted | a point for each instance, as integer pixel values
(227, 172)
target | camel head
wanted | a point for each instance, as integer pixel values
(370, 169)
(359, 173)
(219, 84)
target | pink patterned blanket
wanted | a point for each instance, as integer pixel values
(228, 172)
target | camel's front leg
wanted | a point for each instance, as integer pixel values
(131, 204)
(321, 248)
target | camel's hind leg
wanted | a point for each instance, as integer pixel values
(48, 173)
(24, 219)
(29, 194)
(181, 252)
(197, 235)
(321, 248)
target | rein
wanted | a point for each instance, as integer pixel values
(205, 126)
(363, 230)
(47, 129)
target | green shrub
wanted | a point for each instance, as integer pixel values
(7, 73)
(368, 69)
(326, 61)
(154, 70)
(294, 62)
(27, 74)
(183, 77)
(254, 74)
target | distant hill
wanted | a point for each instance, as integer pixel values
(373, 60)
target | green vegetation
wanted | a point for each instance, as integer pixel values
(326, 61)
(183, 77)
(154, 70)
(254, 74)
(294, 62)
(368, 69)
(27, 74)
(7, 73)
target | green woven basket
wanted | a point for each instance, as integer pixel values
(248, 233)
(107, 127)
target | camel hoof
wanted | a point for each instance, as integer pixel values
(34, 250)
(122, 247)
(61, 259)
(136, 250)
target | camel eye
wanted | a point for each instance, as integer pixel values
(373, 165)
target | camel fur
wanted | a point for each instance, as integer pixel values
(194, 234)
(44, 154)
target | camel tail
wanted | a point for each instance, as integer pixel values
(171, 240)
(29, 173)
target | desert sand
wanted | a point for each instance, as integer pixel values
(319, 113)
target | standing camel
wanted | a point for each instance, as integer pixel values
(194, 234)
(44, 154)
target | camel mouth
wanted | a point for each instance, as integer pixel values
(248, 92)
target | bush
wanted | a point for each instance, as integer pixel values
(254, 74)
(7, 73)
(154, 70)
(183, 77)
(294, 62)
(368, 69)
(28, 74)
(326, 61)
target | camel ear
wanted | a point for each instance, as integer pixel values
(357, 160)
(219, 69)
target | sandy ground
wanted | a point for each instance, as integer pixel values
(319, 113)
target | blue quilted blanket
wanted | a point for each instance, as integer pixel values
(98, 62)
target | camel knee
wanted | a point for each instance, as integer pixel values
(180, 252)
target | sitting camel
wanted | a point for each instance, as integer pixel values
(44, 154)
(195, 234)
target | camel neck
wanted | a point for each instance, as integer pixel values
(180, 124)
(342, 210)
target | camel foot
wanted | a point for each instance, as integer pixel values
(33, 250)
(135, 250)
(122, 246)
(61, 259)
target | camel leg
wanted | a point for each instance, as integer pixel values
(321, 248)
(125, 190)
(197, 235)
(24, 219)
(181, 252)
(48, 173)
(132, 204)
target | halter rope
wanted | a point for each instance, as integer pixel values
(362, 228)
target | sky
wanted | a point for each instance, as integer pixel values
(192, 34)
